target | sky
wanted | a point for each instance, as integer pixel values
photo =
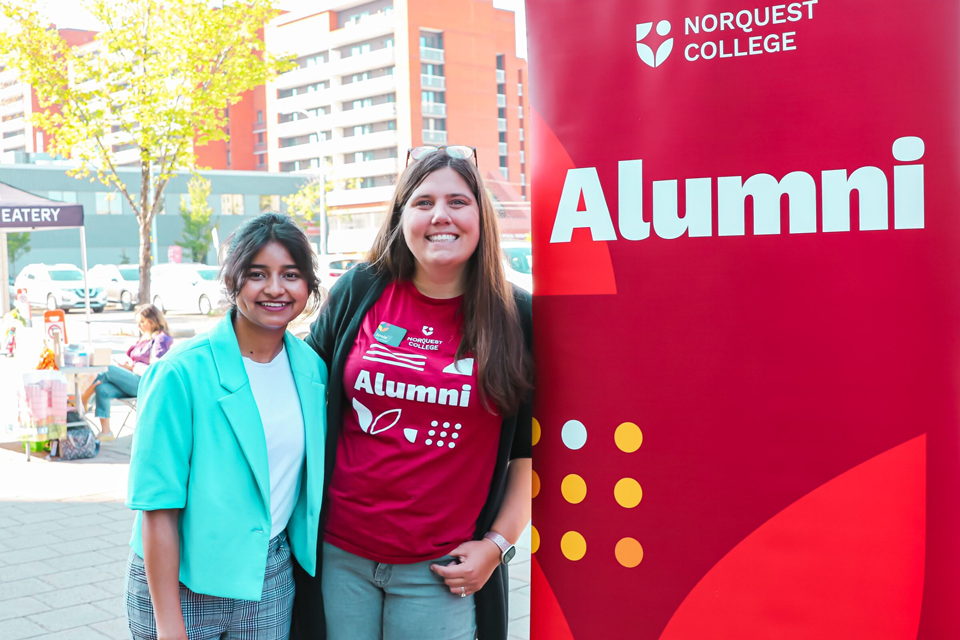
(70, 13)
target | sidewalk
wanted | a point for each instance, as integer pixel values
(64, 534)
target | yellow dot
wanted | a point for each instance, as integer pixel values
(628, 493)
(536, 484)
(573, 488)
(536, 431)
(629, 553)
(628, 437)
(573, 545)
(534, 539)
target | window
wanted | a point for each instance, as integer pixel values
(357, 49)
(12, 134)
(307, 88)
(520, 111)
(431, 39)
(431, 69)
(522, 161)
(63, 196)
(503, 162)
(260, 137)
(269, 203)
(503, 136)
(521, 134)
(502, 112)
(519, 88)
(500, 62)
(361, 129)
(259, 116)
(312, 60)
(231, 204)
(434, 124)
(432, 96)
(108, 203)
(229, 158)
(502, 89)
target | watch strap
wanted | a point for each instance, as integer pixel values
(502, 543)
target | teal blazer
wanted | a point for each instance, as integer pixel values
(199, 446)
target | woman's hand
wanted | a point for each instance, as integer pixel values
(478, 559)
(127, 365)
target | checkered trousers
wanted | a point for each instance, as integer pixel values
(210, 617)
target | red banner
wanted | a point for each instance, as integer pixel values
(746, 245)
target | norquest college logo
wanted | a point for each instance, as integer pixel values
(748, 32)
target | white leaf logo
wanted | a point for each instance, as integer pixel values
(368, 424)
(663, 51)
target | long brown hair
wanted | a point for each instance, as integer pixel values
(155, 316)
(491, 323)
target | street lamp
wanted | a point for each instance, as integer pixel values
(321, 178)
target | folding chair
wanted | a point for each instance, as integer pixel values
(132, 404)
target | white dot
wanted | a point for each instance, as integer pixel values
(457, 426)
(443, 434)
(453, 444)
(433, 424)
(663, 27)
(439, 443)
(574, 434)
(446, 425)
(428, 441)
(431, 432)
(909, 149)
(456, 435)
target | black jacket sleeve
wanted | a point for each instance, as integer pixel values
(523, 434)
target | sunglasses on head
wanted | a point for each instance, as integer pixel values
(458, 151)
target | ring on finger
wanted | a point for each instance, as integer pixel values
(463, 592)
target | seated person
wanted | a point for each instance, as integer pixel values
(123, 379)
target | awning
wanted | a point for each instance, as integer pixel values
(23, 211)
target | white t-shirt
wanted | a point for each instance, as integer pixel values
(279, 403)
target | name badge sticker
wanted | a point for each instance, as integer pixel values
(389, 334)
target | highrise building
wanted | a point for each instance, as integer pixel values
(376, 78)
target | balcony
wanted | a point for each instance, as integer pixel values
(301, 151)
(304, 101)
(349, 197)
(434, 137)
(432, 82)
(365, 89)
(503, 148)
(366, 142)
(501, 76)
(259, 127)
(383, 167)
(13, 142)
(300, 77)
(435, 109)
(429, 54)
(378, 24)
(365, 115)
(501, 100)
(363, 62)
(501, 124)
(260, 147)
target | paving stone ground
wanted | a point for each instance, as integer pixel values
(63, 546)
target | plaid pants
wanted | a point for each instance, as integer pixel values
(210, 617)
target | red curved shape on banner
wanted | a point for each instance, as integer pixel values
(845, 561)
(578, 267)
(549, 623)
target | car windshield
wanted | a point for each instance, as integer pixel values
(520, 259)
(67, 275)
(130, 273)
(208, 274)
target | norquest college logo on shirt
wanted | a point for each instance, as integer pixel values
(748, 32)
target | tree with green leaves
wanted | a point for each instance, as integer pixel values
(157, 79)
(196, 212)
(18, 244)
(306, 204)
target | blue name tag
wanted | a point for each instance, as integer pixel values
(389, 334)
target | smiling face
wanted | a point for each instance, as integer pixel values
(274, 291)
(441, 221)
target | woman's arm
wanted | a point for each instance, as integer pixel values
(478, 558)
(161, 559)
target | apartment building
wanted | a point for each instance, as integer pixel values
(375, 78)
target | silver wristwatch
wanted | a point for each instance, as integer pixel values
(507, 550)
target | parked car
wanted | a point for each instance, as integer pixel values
(121, 282)
(59, 286)
(331, 266)
(518, 263)
(188, 287)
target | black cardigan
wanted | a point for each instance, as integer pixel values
(332, 336)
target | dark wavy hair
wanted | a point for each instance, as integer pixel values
(252, 236)
(491, 322)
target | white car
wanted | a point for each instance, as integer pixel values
(192, 288)
(122, 282)
(518, 263)
(331, 266)
(59, 286)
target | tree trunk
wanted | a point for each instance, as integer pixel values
(145, 219)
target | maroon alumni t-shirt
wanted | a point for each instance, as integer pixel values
(417, 448)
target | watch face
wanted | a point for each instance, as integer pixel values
(509, 553)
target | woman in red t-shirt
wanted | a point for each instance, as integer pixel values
(429, 411)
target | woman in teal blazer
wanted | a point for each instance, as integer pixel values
(228, 456)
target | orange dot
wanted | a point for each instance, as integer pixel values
(573, 545)
(628, 437)
(628, 493)
(536, 431)
(629, 552)
(536, 484)
(534, 539)
(573, 488)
